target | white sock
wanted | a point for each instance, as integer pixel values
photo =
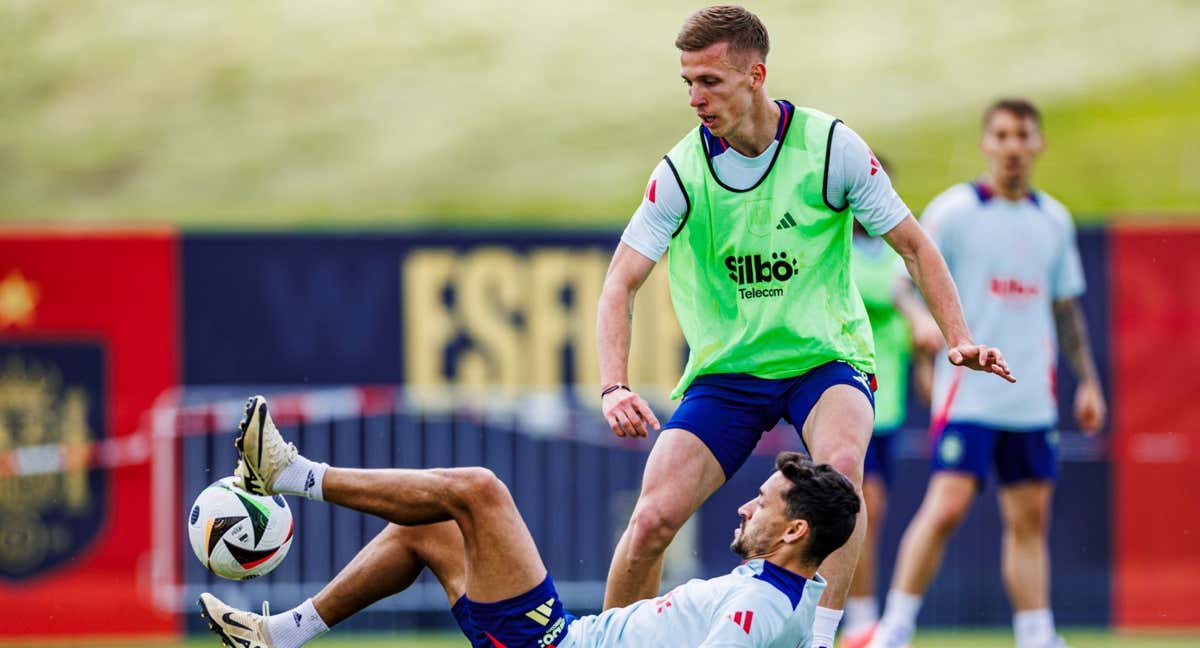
(1034, 628)
(862, 612)
(296, 627)
(825, 624)
(899, 620)
(301, 477)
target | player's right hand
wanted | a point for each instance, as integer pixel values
(628, 414)
(981, 358)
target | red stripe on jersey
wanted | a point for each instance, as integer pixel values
(495, 642)
(650, 190)
(742, 619)
(748, 621)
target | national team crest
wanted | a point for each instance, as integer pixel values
(52, 409)
(757, 217)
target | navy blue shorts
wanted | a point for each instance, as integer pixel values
(730, 412)
(1019, 455)
(535, 619)
(880, 453)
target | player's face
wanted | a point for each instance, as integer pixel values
(1011, 144)
(764, 520)
(720, 86)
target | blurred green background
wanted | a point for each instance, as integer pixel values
(304, 113)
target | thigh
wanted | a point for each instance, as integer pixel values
(728, 415)
(833, 407)
(1027, 456)
(964, 448)
(838, 429)
(681, 473)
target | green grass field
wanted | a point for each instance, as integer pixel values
(375, 113)
(957, 639)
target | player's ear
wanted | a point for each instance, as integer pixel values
(795, 532)
(758, 74)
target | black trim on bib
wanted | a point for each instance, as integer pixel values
(686, 199)
(825, 180)
(778, 150)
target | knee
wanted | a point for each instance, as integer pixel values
(946, 516)
(651, 529)
(848, 460)
(476, 486)
(1027, 522)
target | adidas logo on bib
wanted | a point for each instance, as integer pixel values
(786, 222)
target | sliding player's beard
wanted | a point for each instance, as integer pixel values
(749, 545)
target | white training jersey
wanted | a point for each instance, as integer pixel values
(1010, 261)
(757, 605)
(855, 179)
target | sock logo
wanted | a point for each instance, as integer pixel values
(309, 481)
(297, 618)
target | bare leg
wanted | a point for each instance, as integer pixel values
(875, 494)
(1025, 508)
(837, 432)
(947, 501)
(681, 473)
(390, 563)
(502, 559)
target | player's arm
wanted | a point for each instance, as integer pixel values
(931, 276)
(1090, 408)
(627, 413)
(644, 241)
(856, 180)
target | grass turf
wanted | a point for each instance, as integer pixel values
(286, 114)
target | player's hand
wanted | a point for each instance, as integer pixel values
(1090, 409)
(628, 414)
(981, 358)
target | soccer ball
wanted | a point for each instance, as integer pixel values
(237, 535)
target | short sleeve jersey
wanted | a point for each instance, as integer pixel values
(1010, 261)
(757, 605)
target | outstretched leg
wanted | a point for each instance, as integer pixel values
(502, 559)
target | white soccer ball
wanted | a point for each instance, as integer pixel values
(237, 535)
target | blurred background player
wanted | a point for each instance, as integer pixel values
(463, 524)
(881, 280)
(752, 206)
(1012, 252)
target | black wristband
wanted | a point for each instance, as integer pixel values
(612, 388)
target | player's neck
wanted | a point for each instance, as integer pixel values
(1014, 190)
(790, 561)
(758, 129)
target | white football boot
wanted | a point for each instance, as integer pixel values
(263, 453)
(236, 628)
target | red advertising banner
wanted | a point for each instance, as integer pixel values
(1156, 386)
(88, 340)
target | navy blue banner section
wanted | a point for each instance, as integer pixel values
(325, 309)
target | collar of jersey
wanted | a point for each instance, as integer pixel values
(984, 192)
(790, 583)
(717, 145)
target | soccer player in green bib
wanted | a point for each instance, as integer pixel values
(755, 208)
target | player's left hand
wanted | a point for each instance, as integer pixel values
(981, 358)
(1090, 409)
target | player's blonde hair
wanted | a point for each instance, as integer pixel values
(731, 24)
